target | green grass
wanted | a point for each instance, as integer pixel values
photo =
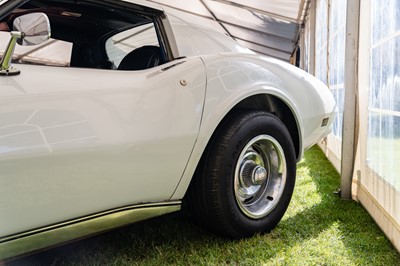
(318, 229)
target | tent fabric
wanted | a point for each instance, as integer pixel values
(269, 28)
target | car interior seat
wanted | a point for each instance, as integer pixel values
(141, 58)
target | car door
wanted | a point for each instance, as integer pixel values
(76, 141)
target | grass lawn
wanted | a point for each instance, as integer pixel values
(318, 229)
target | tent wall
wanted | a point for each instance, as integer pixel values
(357, 55)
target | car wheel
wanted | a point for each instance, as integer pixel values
(246, 177)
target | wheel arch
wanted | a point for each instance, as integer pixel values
(264, 102)
(277, 107)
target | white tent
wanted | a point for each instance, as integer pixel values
(266, 27)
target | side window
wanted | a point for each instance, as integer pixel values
(51, 53)
(121, 44)
(80, 39)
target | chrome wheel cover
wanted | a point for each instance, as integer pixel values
(260, 176)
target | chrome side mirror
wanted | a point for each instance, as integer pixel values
(29, 29)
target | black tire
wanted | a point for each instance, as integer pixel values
(230, 193)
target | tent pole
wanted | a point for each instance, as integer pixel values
(351, 87)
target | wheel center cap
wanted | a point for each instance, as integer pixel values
(259, 175)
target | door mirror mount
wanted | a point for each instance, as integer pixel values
(29, 29)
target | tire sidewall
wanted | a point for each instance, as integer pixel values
(260, 124)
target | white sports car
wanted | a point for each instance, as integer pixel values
(149, 110)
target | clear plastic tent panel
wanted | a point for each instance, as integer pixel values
(307, 46)
(337, 35)
(383, 143)
(322, 41)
